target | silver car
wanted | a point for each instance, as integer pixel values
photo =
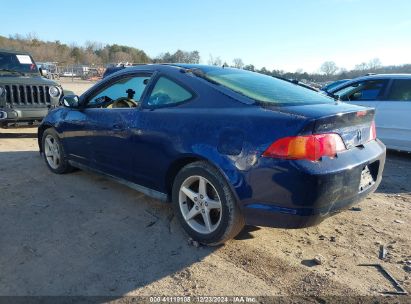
(390, 95)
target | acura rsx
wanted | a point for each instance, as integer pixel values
(226, 147)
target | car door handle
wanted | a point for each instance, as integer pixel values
(118, 127)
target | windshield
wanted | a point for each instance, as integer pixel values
(335, 84)
(265, 89)
(21, 64)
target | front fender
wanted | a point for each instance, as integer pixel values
(52, 120)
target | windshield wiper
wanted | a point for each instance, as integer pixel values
(12, 71)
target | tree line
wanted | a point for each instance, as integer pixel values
(329, 71)
(98, 54)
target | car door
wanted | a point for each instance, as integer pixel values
(76, 135)
(159, 133)
(364, 93)
(112, 114)
(393, 116)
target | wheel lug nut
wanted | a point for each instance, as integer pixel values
(196, 207)
(201, 196)
(195, 199)
(206, 204)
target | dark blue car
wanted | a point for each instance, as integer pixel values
(227, 147)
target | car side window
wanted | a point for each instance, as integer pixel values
(167, 92)
(365, 90)
(400, 90)
(124, 93)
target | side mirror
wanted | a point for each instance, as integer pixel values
(71, 101)
(43, 72)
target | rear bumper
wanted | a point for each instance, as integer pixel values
(298, 194)
(22, 114)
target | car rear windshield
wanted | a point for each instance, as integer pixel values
(265, 89)
(23, 63)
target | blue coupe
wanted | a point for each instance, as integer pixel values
(227, 147)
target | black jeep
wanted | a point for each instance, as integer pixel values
(25, 95)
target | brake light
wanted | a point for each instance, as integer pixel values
(373, 131)
(311, 147)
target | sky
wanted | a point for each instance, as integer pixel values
(284, 35)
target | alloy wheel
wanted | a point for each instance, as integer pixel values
(52, 151)
(200, 204)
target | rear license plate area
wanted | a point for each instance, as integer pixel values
(368, 176)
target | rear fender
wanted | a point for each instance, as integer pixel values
(231, 167)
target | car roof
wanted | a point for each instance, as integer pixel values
(372, 77)
(171, 67)
(385, 76)
(162, 67)
(14, 52)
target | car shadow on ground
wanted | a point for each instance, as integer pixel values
(246, 233)
(395, 179)
(82, 234)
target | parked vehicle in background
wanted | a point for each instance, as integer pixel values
(333, 84)
(50, 69)
(112, 70)
(68, 74)
(25, 95)
(228, 147)
(390, 95)
(93, 74)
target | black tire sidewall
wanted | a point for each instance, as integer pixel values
(220, 186)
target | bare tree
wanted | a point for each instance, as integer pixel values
(361, 67)
(93, 46)
(238, 63)
(374, 64)
(329, 68)
(215, 61)
(121, 57)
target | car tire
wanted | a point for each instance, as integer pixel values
(205, 205)
(53, 152)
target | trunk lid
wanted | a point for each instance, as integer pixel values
(352, 123)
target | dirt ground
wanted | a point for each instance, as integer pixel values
(82, 234)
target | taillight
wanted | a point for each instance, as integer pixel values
(311, 147)
(373, 131)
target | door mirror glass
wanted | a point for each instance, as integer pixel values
(71, 101)
(43, 72)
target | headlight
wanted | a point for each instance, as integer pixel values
(54, 91)
(2, 90)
